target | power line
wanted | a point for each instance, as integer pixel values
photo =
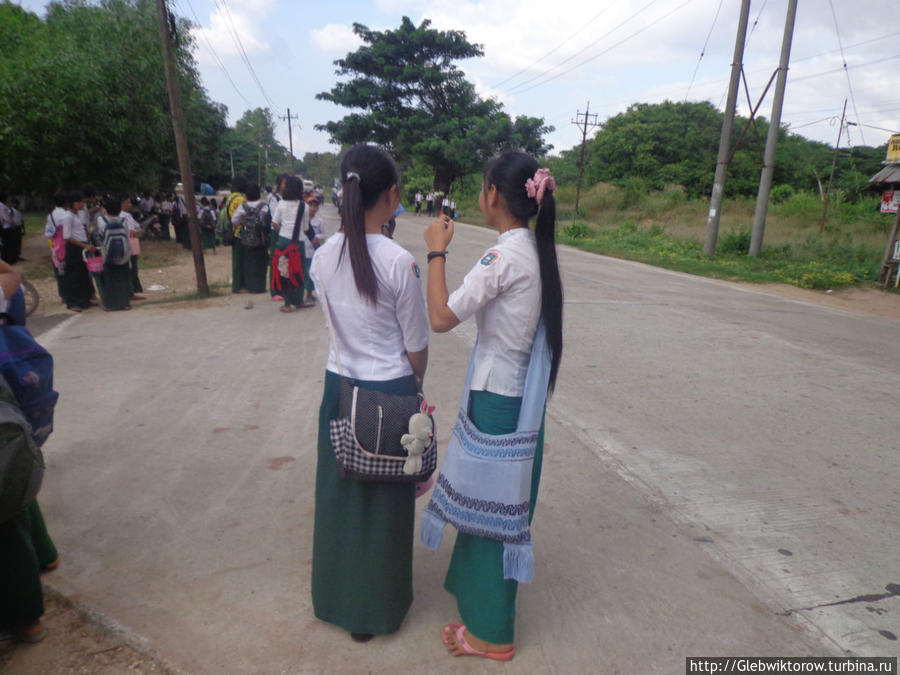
(846, 70)
(583, 49)
(608, 49)
(229, 24)
(216, 55)
(703, 51)
(557, 47)
(756, 20)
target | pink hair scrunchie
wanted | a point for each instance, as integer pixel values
(535, 186)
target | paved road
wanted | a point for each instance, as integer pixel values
(720, 479)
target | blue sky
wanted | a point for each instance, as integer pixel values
(549, 59)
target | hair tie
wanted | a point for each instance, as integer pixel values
(351, 175)
(535, 186)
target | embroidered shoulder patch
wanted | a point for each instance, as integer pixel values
(415, 269)
(490, 258)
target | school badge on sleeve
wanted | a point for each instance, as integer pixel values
(490, 258)
(415, 269)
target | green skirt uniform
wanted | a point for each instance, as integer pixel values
(25, 547)
(208, 239)
(363, 536)
(256, 264)
(486, 601)
(237, 266)
(116, 289)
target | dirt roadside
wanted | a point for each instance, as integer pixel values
(77, 642)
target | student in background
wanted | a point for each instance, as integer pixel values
(250, 218)
(315, 237)
(206, 217)
(53, 233)
(18, 222)
(134, 233)
(291, 217)
(76, 281)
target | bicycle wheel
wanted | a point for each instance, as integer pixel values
(32, 299)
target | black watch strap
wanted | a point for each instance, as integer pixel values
(437, 254)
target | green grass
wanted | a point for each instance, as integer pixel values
(667, 229)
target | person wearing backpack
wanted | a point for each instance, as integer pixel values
(207, 220)
(53, 232)
(116, 247)
(26, 548)
(290, 221)
(134, 233)
(252, 225)
(274, 198)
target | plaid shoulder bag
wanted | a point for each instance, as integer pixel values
(366, 436)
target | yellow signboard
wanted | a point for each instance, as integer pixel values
(893, 153)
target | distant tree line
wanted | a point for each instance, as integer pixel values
(653, 145)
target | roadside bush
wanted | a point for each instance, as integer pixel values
(577, 231)
(781, 193)
(734, 243)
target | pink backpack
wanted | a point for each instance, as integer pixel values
(59, 244)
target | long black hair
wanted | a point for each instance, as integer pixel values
(508, 173)
(366, 172)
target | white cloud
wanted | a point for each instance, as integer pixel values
(335, 38)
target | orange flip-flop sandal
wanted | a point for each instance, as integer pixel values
(459, 631)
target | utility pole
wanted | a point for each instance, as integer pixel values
(833, 164)
(181, 145)
(231, 157)
(290, 135)
(583, 121)
(765, 178)
(718, 191)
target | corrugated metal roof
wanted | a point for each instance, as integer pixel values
(889, 174)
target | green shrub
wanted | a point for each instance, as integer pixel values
(781, 193)
(734, 243)
(577, 231)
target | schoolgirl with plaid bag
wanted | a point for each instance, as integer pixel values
(363, 531)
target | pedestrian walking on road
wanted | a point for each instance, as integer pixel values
(363, 534)
(515, 293)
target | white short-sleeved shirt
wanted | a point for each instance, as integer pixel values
(128, 220)
(373, 339)
(56, 218)
(5, 216)
(286, 215)
(319, 228)
(74, 228)
(503, 291)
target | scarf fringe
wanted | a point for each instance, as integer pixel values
(518, 562)
(431, 531)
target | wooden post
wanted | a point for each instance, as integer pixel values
(181, 145)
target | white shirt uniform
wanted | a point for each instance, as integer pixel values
(57, 218)
(319, 228)
(503, 290)
(5, 216)
(286, 215)
(74, 228)
(373, 339)
(130, 223)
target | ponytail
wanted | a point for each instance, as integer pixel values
(551, 283)
(529, 192)
(366, 172)
(353, 223)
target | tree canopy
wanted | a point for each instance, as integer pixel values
(417, 104)
(676, 143)
(83, 99)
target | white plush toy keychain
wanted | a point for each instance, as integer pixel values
(421, 432)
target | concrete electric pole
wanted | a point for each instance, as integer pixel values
(765, 178)
(582, 122)
(718, 191)
(290, 135)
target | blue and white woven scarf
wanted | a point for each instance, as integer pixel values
(484, 486)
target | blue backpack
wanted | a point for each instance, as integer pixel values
(27, 402)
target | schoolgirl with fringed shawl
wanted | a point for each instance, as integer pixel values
(484, 484)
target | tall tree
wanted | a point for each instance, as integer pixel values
(417, 104)
(83, 99)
